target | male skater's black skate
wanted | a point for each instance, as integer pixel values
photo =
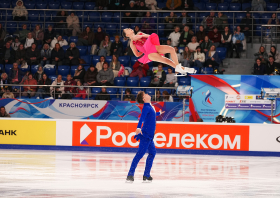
(147, 179)
(129, 179)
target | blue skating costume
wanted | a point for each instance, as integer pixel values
(146, 140)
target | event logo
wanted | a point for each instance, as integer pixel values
(84, 133)
(208, 100)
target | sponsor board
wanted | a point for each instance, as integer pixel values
(31, 132)
(177, 136)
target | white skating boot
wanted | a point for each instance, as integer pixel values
(184, 70)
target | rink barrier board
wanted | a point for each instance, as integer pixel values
(133, 150)
(115, 136)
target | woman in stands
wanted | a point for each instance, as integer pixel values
(79, 74)
(73, 24)
(212, 58)
(201, 34)
(262, 54)
(187, 57)
(115, 65)
(151, 50)
(259, 68)
(192, 45)
(275, 54)
(273, 21)
(43, 92)
(99, 65)
(38, 34)
(199, 57)
(166, 96)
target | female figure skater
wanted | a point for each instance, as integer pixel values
(151, 50)
(146, 136)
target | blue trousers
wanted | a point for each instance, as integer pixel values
(144, 145)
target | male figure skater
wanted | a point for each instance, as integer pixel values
(146, 136)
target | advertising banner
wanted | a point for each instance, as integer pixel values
(247, 102)
(175, 136)
(31, 132)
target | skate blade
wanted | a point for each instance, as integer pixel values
(129, 182)
(147, 181)
(181, 74)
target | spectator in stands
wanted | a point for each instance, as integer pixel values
(3, 112)
(4, 81)
(2, 35)
(209, 22)
(170, 21)
(15, 44)
(273, 21)
(168, 42)
(60, 20)
(212, 58)
(105, 77)
(187, 4)
(80, 91)
(25, 77)
(166, 96)
(192, 45)
(199, 57)
(158, 77)
(115, 65)
(46, 54)
(29, 40)
(157, 96)
(117, 47)
(259, 68)
(185, 20)
(99, 65)
(30, 90)
(226, 40)
(258, 5)
(175, 36)
(275, 54)
(140, 15)
(86, 37)
(39, 74)
(151, 4)
(247, 23)
(101, 4)
(90, 78)
(20, 55)
(72, 55)
(237, 39)
(20, 13)
(15, 74)
(105, 46)
(33, 55)
(128, 96)
(8, 54)
(201, 34)
(43, 91)
(57, 55)
(62, 42)
(215, 37)
(262, 55)
(132, 6)
(103, 95)
(221, 21)
(49, 35)
(69, 91)
(186, 36)
(171, 79)
(271, 66)
(58, 89)
(73, 23)
(128, 18)
(8, 93)
(136, 29)
(79, 74)
(38, 35)
(148, 23)
(23, 33)
(173, 5)
(179, 55)
(139, 69)
(187, 57)
(99, 36)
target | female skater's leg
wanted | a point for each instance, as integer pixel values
(158, 58)
(150, 159)
(143, 146)
(164, 49)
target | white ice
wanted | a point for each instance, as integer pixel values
(31, 173)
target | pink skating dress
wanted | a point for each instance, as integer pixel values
(147, 46)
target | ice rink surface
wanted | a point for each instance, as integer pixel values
(31, 173)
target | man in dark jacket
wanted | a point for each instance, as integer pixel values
(69, 90)
(271, 66)
(185, 19)
(49, 35)
(247, 23)
(91, 76)
(158, 78)
(33, 55)
(8, 54)
(57, 55)
(15, 74)
(72, 55)
(187, 4)
(3, 112)
(103, 95)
